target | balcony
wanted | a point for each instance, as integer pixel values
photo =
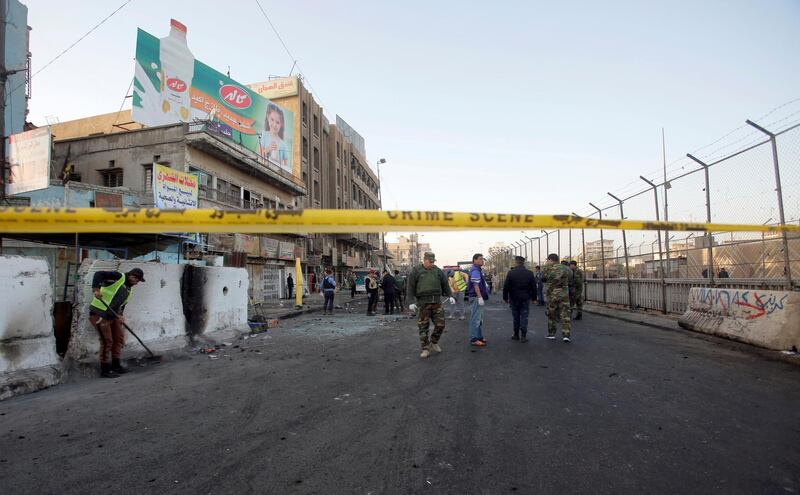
(200, 135)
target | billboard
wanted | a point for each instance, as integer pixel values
(28, 161)
(276, 88)
(170, 86)
(351, 135)
(174, 190)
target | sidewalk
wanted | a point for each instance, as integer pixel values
(281, 309)
(670, 322)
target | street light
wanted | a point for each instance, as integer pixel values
(547, 242)
(380, 200)
(602, 251)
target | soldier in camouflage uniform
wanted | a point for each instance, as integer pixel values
(425, 287)
(576, 291)
(556, 280)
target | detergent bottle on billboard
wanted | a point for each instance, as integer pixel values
(177, 71)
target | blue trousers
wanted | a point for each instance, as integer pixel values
(520, 311)
(476, 321)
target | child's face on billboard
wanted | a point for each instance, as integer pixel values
(275, 122)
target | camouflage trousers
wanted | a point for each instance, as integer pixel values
(557, 310)
(576, 300)
(425, 314)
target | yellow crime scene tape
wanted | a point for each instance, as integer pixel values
(155, 221)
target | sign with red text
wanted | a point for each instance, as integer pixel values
(174, 190)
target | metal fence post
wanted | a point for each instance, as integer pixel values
(787, 263)
(709, 237)
(660, 255)
(602, 252)
(625, 250)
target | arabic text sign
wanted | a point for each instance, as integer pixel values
(29, 161)
(174, 190)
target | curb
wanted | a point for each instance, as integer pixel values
(630, 317)
(300, 312)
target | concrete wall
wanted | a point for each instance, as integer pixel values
(28, 359)
(155, 311)
(214, 299)
(765, 318)
(224, 299)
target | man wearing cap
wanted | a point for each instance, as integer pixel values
(519, 290)
(426, 285)
(112, 291)
(556, 279)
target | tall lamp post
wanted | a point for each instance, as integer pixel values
(380, 200)
(602, 252)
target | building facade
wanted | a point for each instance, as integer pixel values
(407, 251)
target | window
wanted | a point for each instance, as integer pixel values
(305, 113)
(148, 176)
(112, 177)
(316, 190)
(156, 158)
(112, 164)
(316, 158)
(338, 149)
(316, 125)
(305, 179)
(305, 148)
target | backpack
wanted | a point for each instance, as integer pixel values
(373, 284)
(326, 283)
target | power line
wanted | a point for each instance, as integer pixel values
(288, 52)
(109, 16)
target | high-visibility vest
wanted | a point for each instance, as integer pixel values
(108, 294)
(461, 282)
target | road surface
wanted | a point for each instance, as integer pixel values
(344, 404)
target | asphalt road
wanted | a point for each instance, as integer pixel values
(344, 404)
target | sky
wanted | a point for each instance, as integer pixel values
(527, 107)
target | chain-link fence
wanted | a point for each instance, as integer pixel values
(751, 175)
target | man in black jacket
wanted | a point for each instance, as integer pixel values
(519, 290)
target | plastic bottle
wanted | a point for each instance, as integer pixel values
(177, 71)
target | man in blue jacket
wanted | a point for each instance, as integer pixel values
(478, 294)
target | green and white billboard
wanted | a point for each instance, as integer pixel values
(170, 86)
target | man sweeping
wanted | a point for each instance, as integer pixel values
(112, 291)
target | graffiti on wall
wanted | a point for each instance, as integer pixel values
(735, 303)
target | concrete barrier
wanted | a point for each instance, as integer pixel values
(155, 311)
(765, 318)
(177, 305)
(28, 359)
(222, 301)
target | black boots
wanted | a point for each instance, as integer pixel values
(515, 336)
(117, 368)
(106, 371)
(524, 337)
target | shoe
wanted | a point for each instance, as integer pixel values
(106, 371)
(462, 317)
(579, 317)
(425, 353)
(566, 339)
(435, 347)
(484, 341)
(551, 337)
(117, 367)
(479, 343)
(515, 337)
(524, 338)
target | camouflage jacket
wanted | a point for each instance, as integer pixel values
(556, 280)
(579, 279)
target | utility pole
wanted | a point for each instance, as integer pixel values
(666, 202)
(380, 200)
